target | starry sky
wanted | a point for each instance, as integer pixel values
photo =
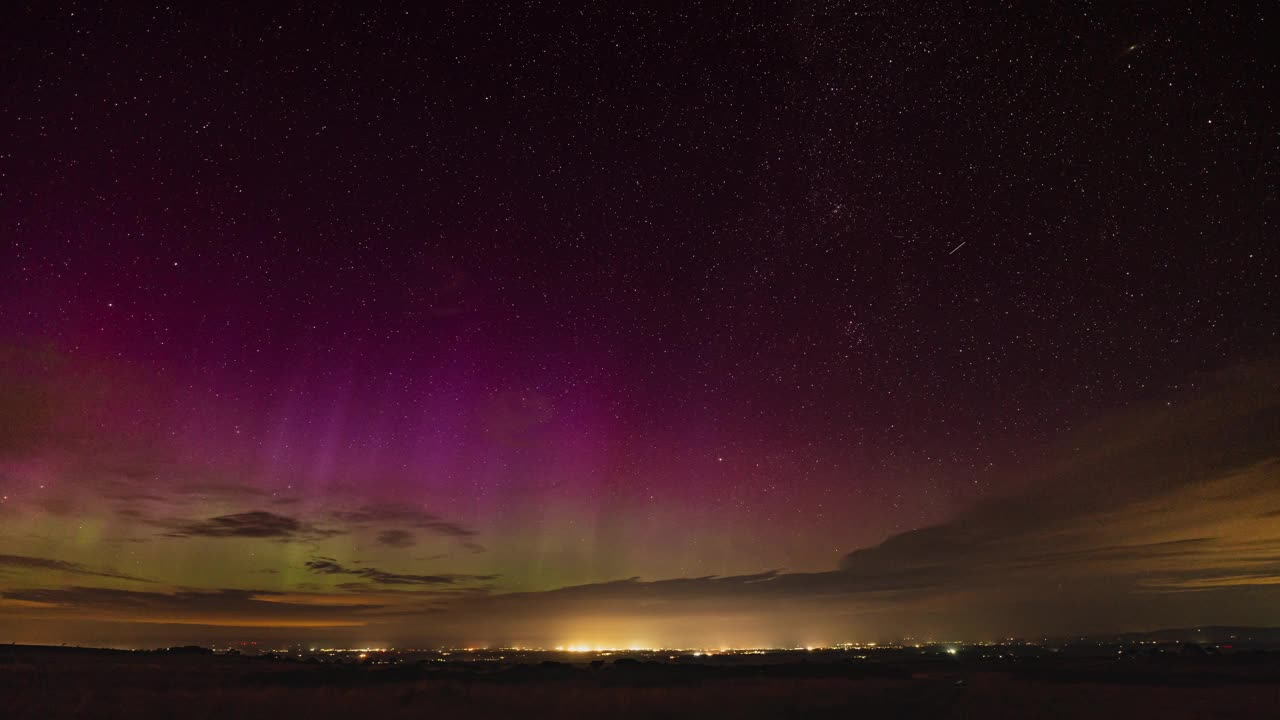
(731, 324)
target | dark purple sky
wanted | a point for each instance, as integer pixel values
(525, 298)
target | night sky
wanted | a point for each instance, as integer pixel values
(731, 325)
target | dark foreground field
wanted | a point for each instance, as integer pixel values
(67, 683)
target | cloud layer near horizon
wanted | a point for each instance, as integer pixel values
(1157, 515)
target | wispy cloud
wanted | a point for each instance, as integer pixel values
(231, 607)
(404, 516)
(329, 566)
(396, 538)
(24, 563)
(255, 524)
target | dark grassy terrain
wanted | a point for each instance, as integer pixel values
(70, 683)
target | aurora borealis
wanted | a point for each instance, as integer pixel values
(808, 324)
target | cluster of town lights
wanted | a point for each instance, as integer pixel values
(697, 652)
(597, 648)
(950, 648)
